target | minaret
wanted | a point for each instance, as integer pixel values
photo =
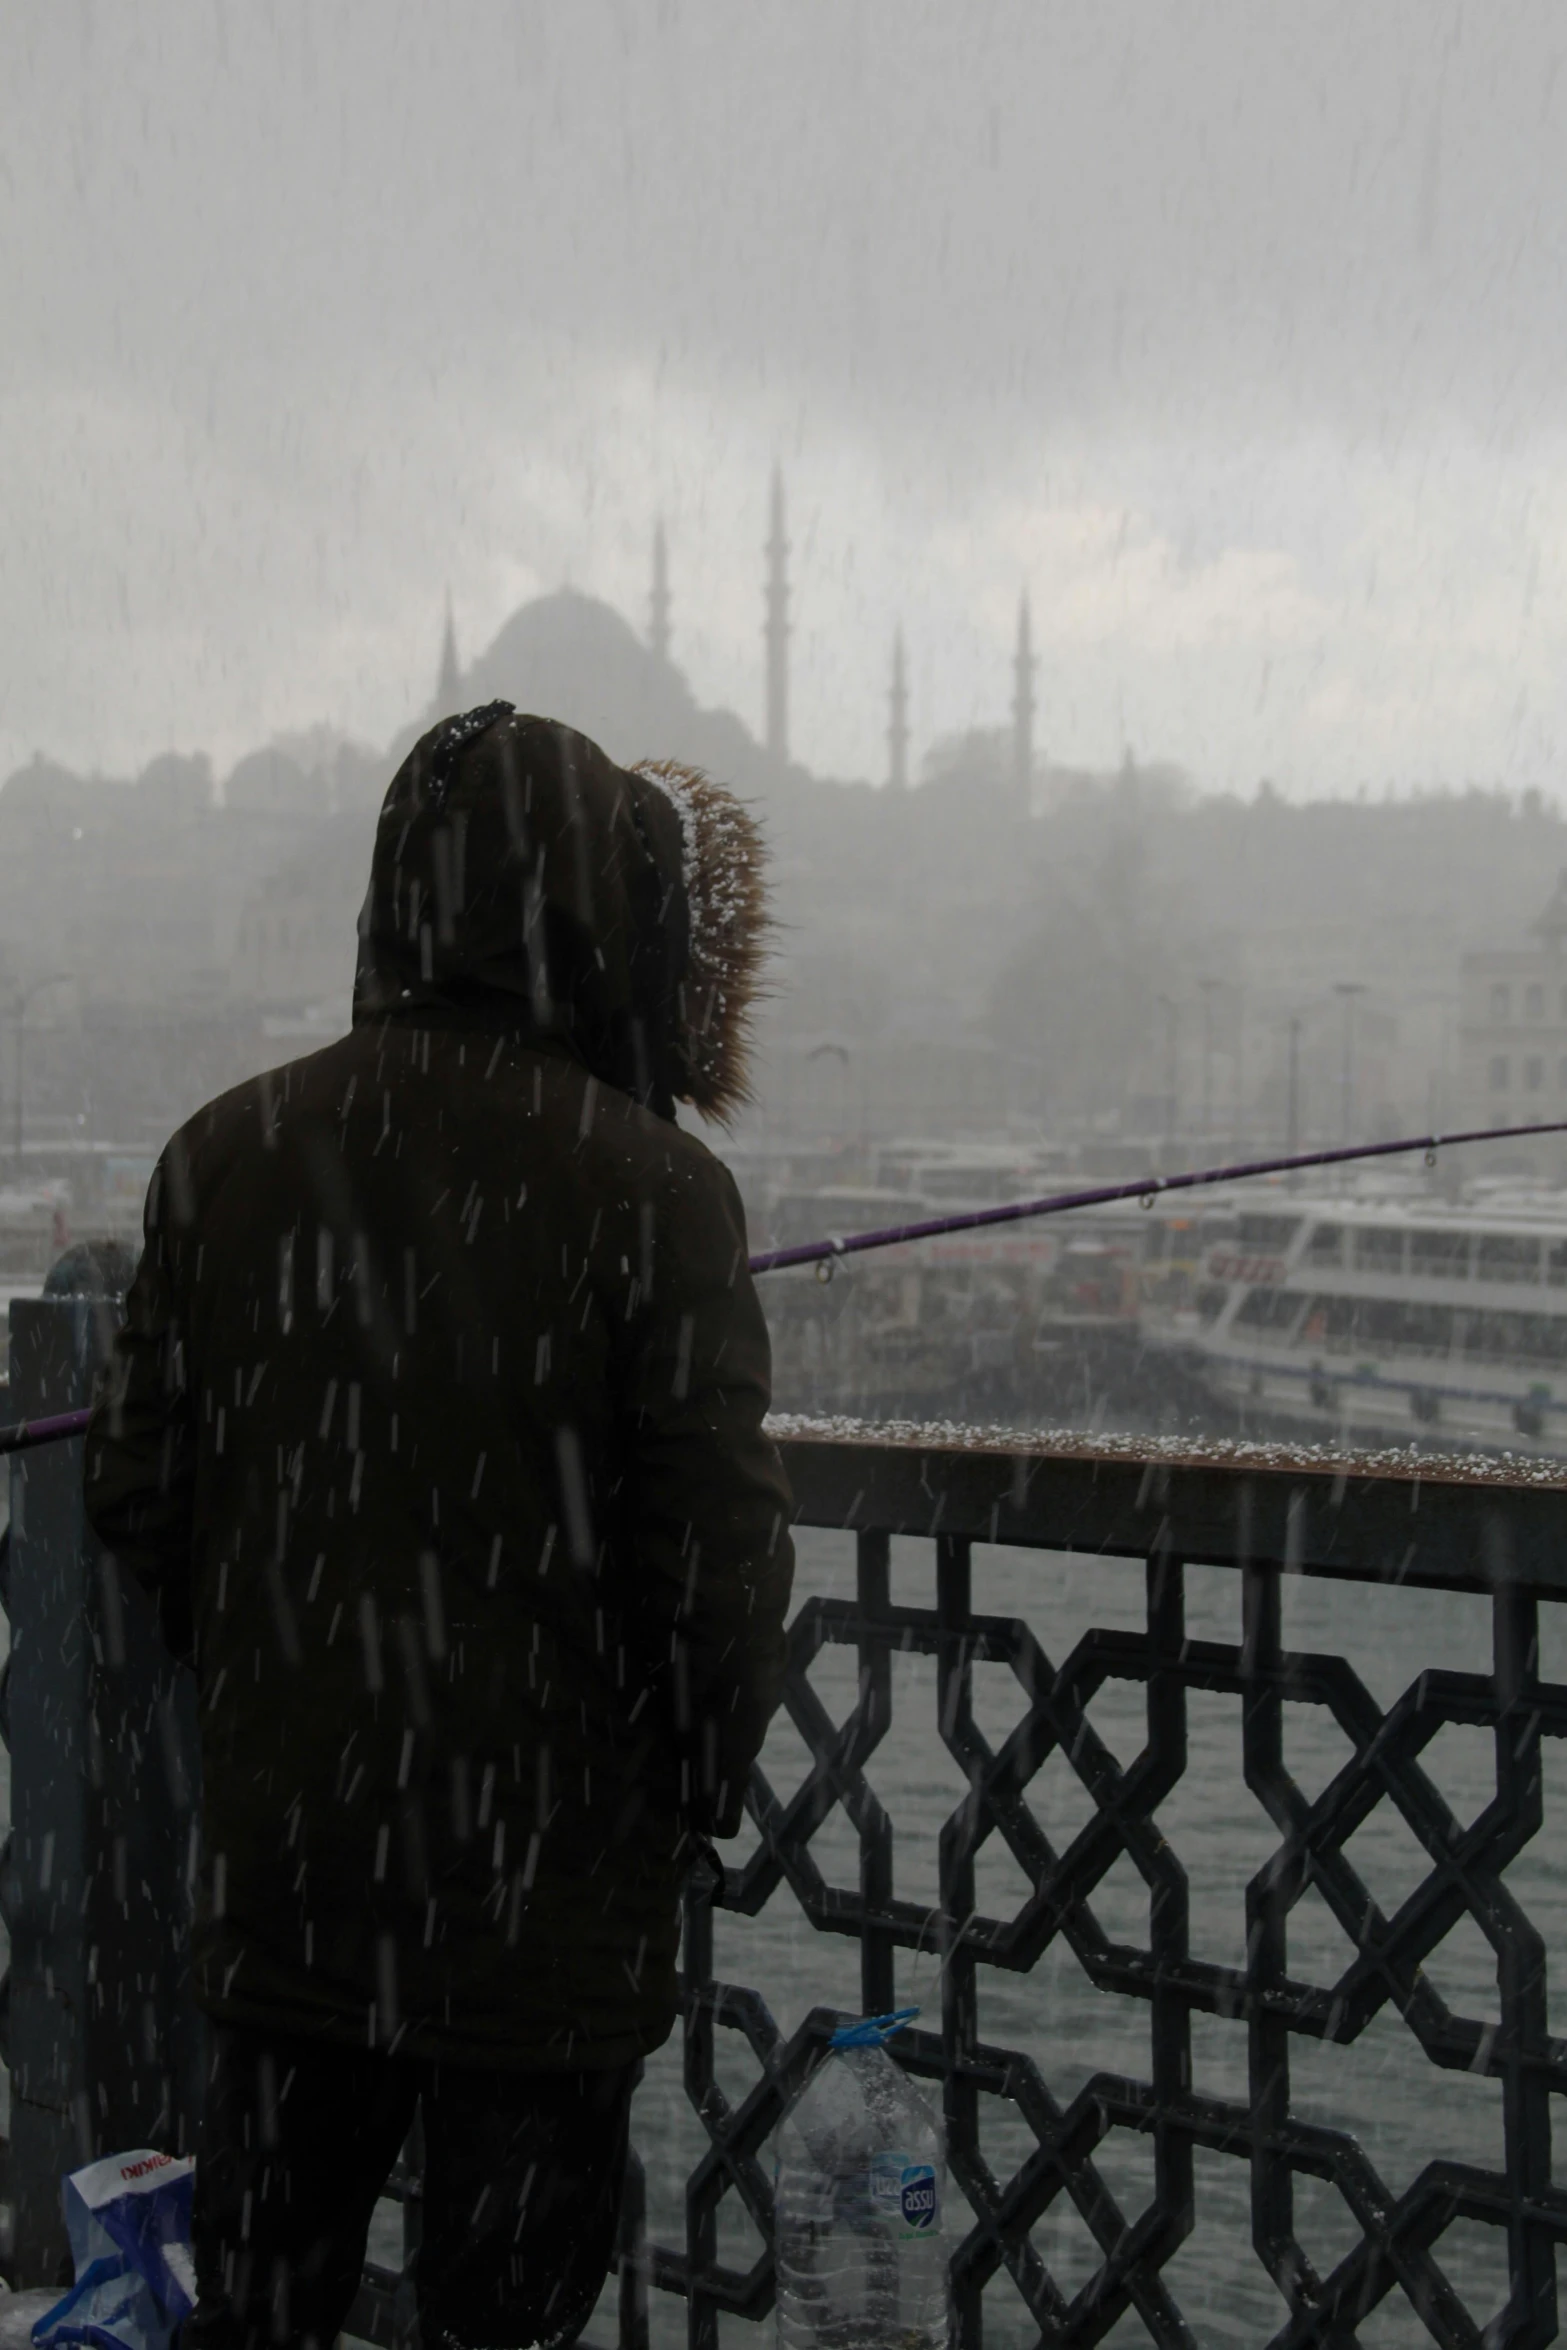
(1023, 713)
(898, 720)
(448, 686)
(658, 623)
(775, 629)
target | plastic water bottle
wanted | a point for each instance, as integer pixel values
(861, 2180)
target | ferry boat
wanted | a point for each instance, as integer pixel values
(1372, 1320)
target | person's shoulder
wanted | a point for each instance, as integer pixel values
(628, 1153)
(246, 1118)
(638, 1139)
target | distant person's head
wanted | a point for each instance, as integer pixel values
(91, 1269)
(522, 880)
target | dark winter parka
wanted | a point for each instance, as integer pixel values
(436, 1428)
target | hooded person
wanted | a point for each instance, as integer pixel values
(435, 1429)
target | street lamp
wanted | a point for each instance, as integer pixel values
(1348, 989)
(1292, 1128)
(1172, 1014)
(1208, 987)
(19, 1020)
(832, 1048)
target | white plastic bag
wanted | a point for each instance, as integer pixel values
(128, 2220)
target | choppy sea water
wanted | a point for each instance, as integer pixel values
(1403, 2110)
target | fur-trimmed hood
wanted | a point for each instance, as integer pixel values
(522, 881)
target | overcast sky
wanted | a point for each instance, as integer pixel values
(1237, 333)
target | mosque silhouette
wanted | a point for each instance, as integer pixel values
(573, 657)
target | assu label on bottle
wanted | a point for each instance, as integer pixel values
(917, 2199)
(903, 2195)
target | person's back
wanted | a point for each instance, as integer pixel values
(437, 1431)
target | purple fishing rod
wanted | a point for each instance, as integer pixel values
(1145, 1187)
(28, 1433)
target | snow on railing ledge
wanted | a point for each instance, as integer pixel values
(1414, 1463)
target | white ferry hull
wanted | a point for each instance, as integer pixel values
(1410, 1321)
(1376, 1404)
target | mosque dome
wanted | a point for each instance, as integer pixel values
(570, 656)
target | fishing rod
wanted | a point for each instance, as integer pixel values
(1147, 1188)
(825, 1254)
(25, 1434)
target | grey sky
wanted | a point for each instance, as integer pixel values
(1236, 331)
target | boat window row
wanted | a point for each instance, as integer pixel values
(1178, 1240)
(1261, 1231)
(1528, 1072)
(1375, 1325)
(1531, 1001)
(1438, 1256)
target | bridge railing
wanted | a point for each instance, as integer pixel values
(1199, 1799)
(1458, 2249)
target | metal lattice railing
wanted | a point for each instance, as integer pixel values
(1472, 1534)
(100, 1859)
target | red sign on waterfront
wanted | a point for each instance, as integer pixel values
(1226, 1264)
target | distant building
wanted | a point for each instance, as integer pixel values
(1512, 1054)
(296, 939)
(269, 782)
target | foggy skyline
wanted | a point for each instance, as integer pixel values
(1233, 335)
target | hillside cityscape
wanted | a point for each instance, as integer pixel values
(979, 942)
